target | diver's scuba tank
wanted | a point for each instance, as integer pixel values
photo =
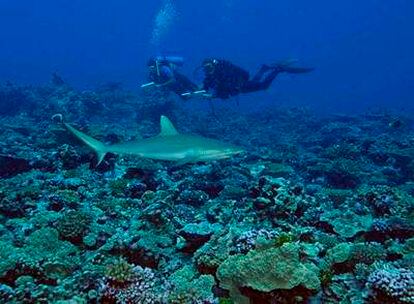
(164, 67)
(177, 60)
(171, 61)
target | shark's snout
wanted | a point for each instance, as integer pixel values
(233, 150)
(237, 150)
(226, 153)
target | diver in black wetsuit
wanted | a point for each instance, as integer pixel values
(163, 73)
(223, 79)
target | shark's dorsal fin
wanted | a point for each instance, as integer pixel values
(167, 128)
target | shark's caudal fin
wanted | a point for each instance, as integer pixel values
(94, 144)
(167, 128)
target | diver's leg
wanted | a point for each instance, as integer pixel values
(253, 86)
(267, 81)
(263, 69)
(269, 78)
(257, 84)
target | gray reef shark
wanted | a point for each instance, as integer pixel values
(169, 145)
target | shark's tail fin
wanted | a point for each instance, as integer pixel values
(99, 148)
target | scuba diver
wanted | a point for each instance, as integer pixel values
(163, 73)
(223, 79)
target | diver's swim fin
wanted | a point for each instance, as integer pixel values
(284, 68)
(295, 70)
(287, 66)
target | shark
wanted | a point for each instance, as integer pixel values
(168, 145)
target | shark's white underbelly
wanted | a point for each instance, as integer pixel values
(165, 156)
(149, 153)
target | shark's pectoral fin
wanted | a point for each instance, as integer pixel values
(100, 156)
(186, 160)
(167, 128)
(182, 162)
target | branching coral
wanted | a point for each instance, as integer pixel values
(73, 226)
(394, 286)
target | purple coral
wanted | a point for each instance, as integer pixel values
(392, 286)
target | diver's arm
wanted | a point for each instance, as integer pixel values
(158, 85)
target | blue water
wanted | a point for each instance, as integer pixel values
(362, 50)
(314, 204)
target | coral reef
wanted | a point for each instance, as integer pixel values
(267, 270)
(317, 210)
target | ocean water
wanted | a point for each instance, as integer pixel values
(115, 192)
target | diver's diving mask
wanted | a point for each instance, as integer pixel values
(209, 65)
